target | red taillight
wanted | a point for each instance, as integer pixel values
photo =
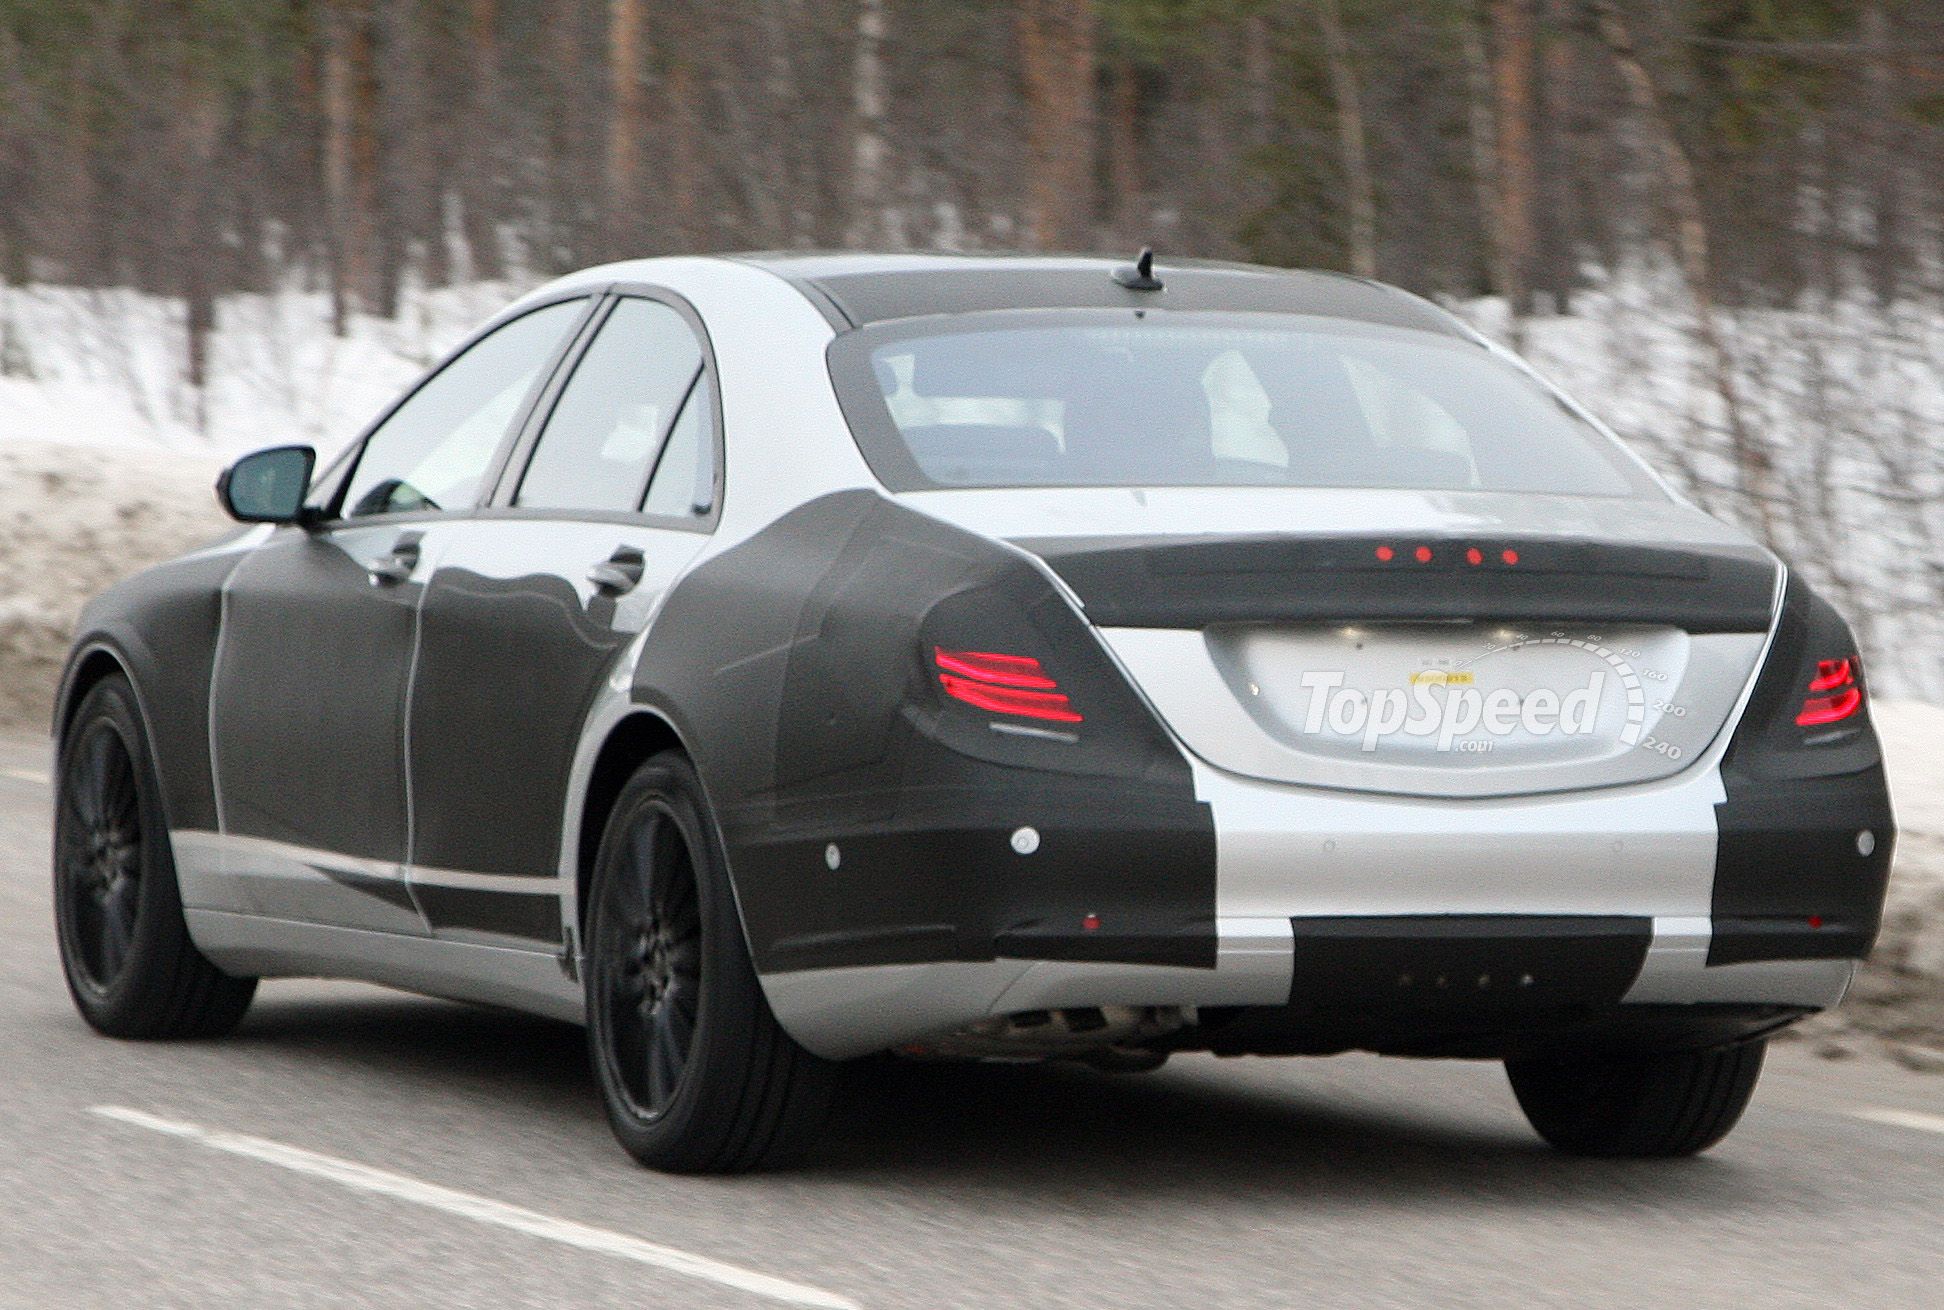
(1831, 674)
(1000, 670)
(1837, 695)
(1818, 710)
(1002, 684)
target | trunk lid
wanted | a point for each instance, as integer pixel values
(1433, 644)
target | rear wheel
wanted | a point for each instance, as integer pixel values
(695, 1073)
(1678, 1103)
(130, 965)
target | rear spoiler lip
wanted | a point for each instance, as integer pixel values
(1176, 582)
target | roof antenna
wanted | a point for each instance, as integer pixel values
(1139, 275)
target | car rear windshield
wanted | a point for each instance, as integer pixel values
(1150, 398)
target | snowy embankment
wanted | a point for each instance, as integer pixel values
(73, 520)
(1899, 995)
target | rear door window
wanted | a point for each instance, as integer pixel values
(684, 481)
(602, 441)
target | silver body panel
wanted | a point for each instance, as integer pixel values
(531, 981)
(1254, 701)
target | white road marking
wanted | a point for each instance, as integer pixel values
(1928, 1123)
(363, 1178)
(25, 775)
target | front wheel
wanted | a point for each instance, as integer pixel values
(695, 1073)
(1678, 1103)
(130, 964)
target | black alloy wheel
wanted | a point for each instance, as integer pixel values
(98, 845)
(647, 962)
(695, 1073)
(131, 966)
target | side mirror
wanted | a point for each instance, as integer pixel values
(268, 486)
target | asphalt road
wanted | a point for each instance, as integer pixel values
(353, 1147)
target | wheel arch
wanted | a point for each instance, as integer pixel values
(94, 661)
(89, 665)
(629, 743)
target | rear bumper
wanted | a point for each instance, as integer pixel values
(1294, 986)
(1336, 916)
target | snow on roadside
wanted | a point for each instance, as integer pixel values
(106, 367)
(1898, 998)
(1913, 746)
(73, 520)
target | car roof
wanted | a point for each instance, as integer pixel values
(856, 290)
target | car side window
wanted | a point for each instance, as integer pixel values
(684, 481)
(435, 449)
(616, 413)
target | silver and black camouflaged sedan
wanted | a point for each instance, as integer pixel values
(773, 661)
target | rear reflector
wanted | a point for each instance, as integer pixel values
(1002, 684)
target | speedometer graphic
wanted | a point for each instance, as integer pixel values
(1634, 692)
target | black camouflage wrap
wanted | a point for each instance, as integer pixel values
(797, 667)
(1792, 881)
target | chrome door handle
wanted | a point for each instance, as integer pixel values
(389, 570)
(620, 572)
(396, 567)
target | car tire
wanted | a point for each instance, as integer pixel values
(130, 964)
(1640, 1106)
(694, 1071)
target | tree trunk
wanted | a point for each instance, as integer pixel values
(364, 159)
(1361, 192)
(1258, 76)
(198, 125)
(479, 215)
(336, 94)
(1512, 77)
(627, 129)
(1883, 155)
(1560, 83)
(578, 216)
(15, 362)
(350, 156)
(1500, 266)
(393, 106)
(685, 168)
(1683, 201)
(793, 152)
(868, 192)
(1056, 56)
(83, 238)
(200, 304)
(1124, 151)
